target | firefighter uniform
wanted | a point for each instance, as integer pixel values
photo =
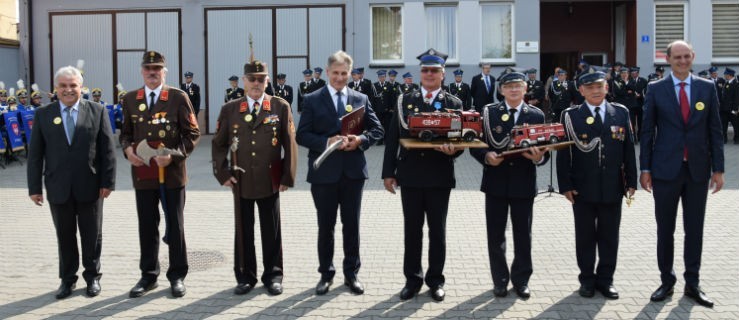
(562, 94)
(407, 87)
(461, 90)
(535, 90)
(600, 167)
(263, 130)
(426, 178)
(730, 105)
(234, 92)
(282, 90)
(511, 185)
(304, 88)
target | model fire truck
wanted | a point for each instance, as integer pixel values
(528, 135)
(453, 124)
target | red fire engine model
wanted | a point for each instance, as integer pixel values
(454, 124)
(528, 135)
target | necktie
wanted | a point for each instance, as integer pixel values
(487, 83)
(339, 104)
(685, 109)
(428, 97)
(151, 100)
(255, 109)
(598, 120)
(512, 112)
(69, 124)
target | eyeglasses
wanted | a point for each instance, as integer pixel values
(256, 79)
(155, 68)
(430, 70)
(513, 86)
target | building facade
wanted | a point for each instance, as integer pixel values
(210, 38)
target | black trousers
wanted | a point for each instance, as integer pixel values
(344, 196)
(726, 118)
(386, 118)
(269, 226)
(693, 196)
(67, 218)
(496, 214)
(636, 119)
(596, 227)
(420, 204)
(147, 206)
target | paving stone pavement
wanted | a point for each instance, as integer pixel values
(28, 257)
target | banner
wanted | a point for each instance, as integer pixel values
(13, 128)
(27, 124)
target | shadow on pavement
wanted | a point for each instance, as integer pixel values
(110, 306)
(208, 306)
(26, 305)
(485, 306)
(392, 308)
(574, 307)
(296, 306)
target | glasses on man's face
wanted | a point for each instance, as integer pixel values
(430, 70)
(256, 79)
(513, 86)
(153, 68)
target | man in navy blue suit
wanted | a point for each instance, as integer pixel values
(681, 151)
(339, 181)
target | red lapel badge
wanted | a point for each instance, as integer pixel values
(243, 107)
(266, 106)
(140, 94)
(164, 96)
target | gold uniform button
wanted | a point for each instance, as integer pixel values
(253, 154)
(149, 133)
(253, 132)
(253, 142)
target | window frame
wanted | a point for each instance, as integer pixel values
(721, 60)
(686, 17)
(387, 62)
(499, 61)
(451, 60)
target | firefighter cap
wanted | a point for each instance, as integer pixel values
(591, 77)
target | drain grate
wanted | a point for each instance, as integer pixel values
(199, 260)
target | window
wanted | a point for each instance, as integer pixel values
(387, 34)
(441, 33)
(725, 36)
(669, 25)
(497, 34)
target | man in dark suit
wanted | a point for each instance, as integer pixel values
(640, 89)
(730, 105)
(261, 126)
(461, 90)
(385, 102)
(426, 178)
(282, 90)
(509, 184)
(482, 88)
(535, 89)
(562, 94)
(193, 92)
(407, 86)
(717, 81)
(682, 151)
(233, 92)
(317, 82)
(304, 88)
(162, 115)
(595, 174)
(340, 180)
(72, 148)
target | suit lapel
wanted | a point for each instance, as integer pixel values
(669, 90)
(610, 117)
(82, 114)
(59, 128)
(329, 101)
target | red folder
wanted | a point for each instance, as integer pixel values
(353, 122)
(152, 171)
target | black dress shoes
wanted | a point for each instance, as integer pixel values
(178, 288)
(243, 288)
(695, 293)
(608, 291)
(322, 287)
(662, 293)
(437, 293)
(93, 288)
(141, 287)
(586, 291)
(354, 285)
(500, 291)
(274, 288)
(65, 289)
(409, 292)
(523, 291)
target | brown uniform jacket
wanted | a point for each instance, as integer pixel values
(171, 121)
(261, 143)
